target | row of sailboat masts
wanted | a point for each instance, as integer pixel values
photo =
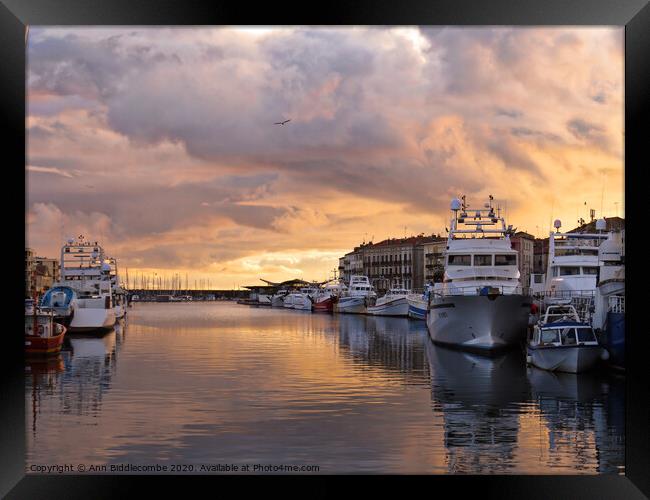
(175, 282)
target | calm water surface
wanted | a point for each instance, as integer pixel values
(222, 383)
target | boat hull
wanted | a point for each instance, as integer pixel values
(277, 302)
(397, 307)
(351, 305)
(483, 324)
(417, 308)
(92, 319)
(44, 345)
(326, 305)
(570, 359)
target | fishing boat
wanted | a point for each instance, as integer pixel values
(480, 305)
(85, 290)
(42, 334)
(392, 303)
(419, 304)
(326, 296)
(561, 342)
(300, 299)
(357, 298)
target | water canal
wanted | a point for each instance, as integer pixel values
(222, 383)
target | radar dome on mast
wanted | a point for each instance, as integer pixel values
(557, 224)
(601, 225)
(456, 204)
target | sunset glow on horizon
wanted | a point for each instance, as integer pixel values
(161, 143)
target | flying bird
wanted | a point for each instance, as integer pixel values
(282, 123)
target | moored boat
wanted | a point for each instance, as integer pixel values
(42, 334)
(419, 304)
(393, 303)
(85, 271)
(561, 342)
(480, 306)
(327, 296)
(357, 298)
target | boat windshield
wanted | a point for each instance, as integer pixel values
(572, 335)
(550, 335)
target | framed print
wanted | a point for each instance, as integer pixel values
(381, 242)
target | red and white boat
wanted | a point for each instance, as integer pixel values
(324, 299)
(42, 334)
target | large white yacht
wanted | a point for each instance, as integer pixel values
(609, 310)
(358, 296)
(573, 262)
(480, 305)
(120, 299)
(86, 285)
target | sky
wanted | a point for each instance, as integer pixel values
(161, 143)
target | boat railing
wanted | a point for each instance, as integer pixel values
(617, 304)
(481, 290)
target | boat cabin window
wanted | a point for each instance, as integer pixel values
(589, 270)
(550, 336)
(505, 260)
(559, 251)
(586, 335)
(483, 260)
(460, 260)
(569, 336)
(569, 270)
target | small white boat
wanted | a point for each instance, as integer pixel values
(277, 300)
(300, 300)
(393, 303)
(560, 342)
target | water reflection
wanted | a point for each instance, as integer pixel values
(206, 383)
(584, 415)
(394, 344)
(480, 399)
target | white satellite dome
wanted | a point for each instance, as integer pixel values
(106, 267)
(557, 224)
(70, 241)
(456, 204)
(601, 225)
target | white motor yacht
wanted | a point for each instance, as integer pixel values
(85, 290)
(120, 298)
(480, 305)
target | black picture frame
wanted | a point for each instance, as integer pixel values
(633, 14)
